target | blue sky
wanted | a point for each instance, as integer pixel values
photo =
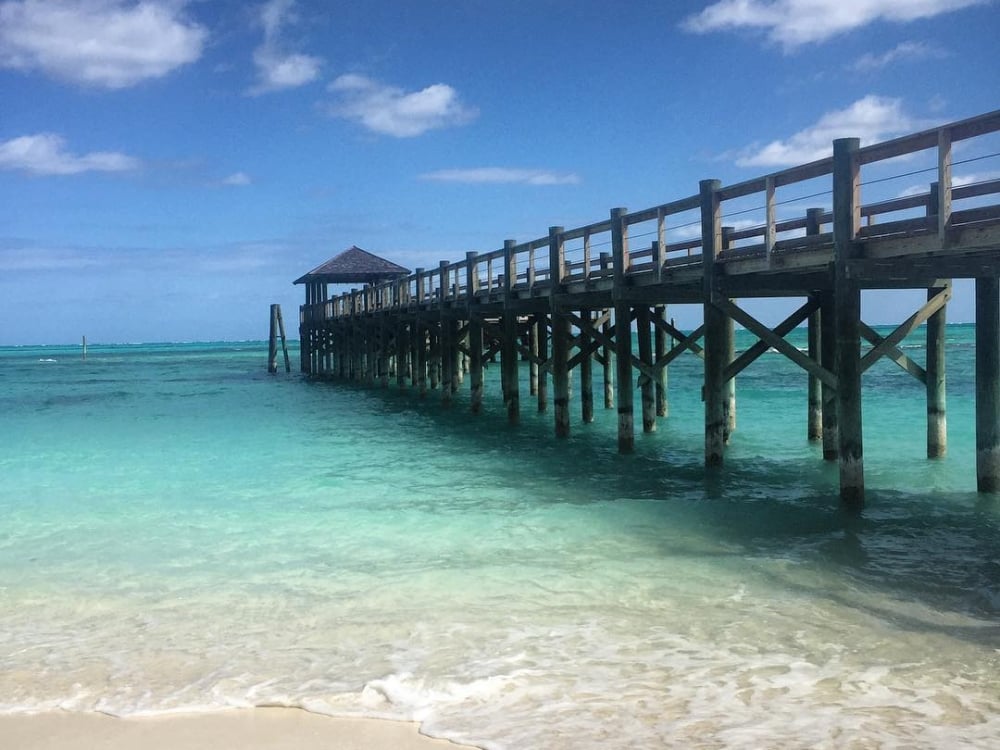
(167, 168)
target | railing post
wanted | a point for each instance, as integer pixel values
(770, 214)
(847, 303)
(944, 185)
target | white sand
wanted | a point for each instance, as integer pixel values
(251, 729)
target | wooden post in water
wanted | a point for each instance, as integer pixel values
(645, 341)
(85, 348)
(541, 327)
(475, 333)
(623, 331)
(272, 342)
(716, 327)
(730, 343)
(560, 333)
(586, 372)
(937, 419)
(660, 351)
(508, 351)
(814, 418)
(828, 355)
(606, 351)
(847, 303)
(988, 384)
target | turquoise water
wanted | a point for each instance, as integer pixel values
(183, 532)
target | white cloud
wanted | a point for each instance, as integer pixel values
(106, 43)
(499, 175)
(277, 69)
(391, 111)
(792, 23)
(871, 119)
(237, 179)
(46, 154)
(902, 52)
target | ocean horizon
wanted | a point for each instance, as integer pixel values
(185, 532)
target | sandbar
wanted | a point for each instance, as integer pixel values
(246, 729)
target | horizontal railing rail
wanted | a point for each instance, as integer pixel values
(582, 255)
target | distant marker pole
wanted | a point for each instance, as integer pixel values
(85, 347)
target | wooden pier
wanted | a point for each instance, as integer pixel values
(561, 304)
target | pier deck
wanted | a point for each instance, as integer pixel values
(571, 299)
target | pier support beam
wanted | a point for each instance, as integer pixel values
(560, 333)
(508, 350)
(814, 416)
(988, 385)
(716, 328)
(828, 357)
(662, 403)
(645, 341)
(541, 328)
(937, 423)
(623, 332)
(586, 373)
(847, 301)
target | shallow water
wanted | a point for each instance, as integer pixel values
(184, 532)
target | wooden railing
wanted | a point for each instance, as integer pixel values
(585, 255)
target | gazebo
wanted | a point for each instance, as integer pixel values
(352, 266)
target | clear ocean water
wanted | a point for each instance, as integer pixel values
(183, 532)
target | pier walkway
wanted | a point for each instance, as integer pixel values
(570, 299)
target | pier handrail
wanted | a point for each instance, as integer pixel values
(528, 263)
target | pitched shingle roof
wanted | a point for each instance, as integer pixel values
(354, 265)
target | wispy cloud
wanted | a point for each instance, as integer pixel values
(104, 43)
(872, 119)
(793, 23)
(46, 154)
(503, 175)
(389, 110)
(237, 179)
(276, 68)
(902, 52)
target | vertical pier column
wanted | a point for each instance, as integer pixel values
(606, 351)
(445, 343)
(508, 350)
(814, 416)
(662, 402)
(828, 394)
(847, 301)
(475, 333)
(533, 361)
(716, 327)
(645, 341)
(586, 372)
(541, 327)
(937, 421)
(623, 332)
(560, 333)
(988, 385)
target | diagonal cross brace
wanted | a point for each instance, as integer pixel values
(891, 341)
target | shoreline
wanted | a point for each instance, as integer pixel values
(248, 729)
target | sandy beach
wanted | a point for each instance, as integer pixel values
(250, 729)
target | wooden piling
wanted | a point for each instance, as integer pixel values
(937, 421)
(607, 352)
(508, 351)
(988, 384)
(623, 332)
(716, 327)
(660, 347)
(586, 373)
(646, 389)
(847, 303)
(560, 334)
(541, 328)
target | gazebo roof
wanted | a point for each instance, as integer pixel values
(354, 265)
